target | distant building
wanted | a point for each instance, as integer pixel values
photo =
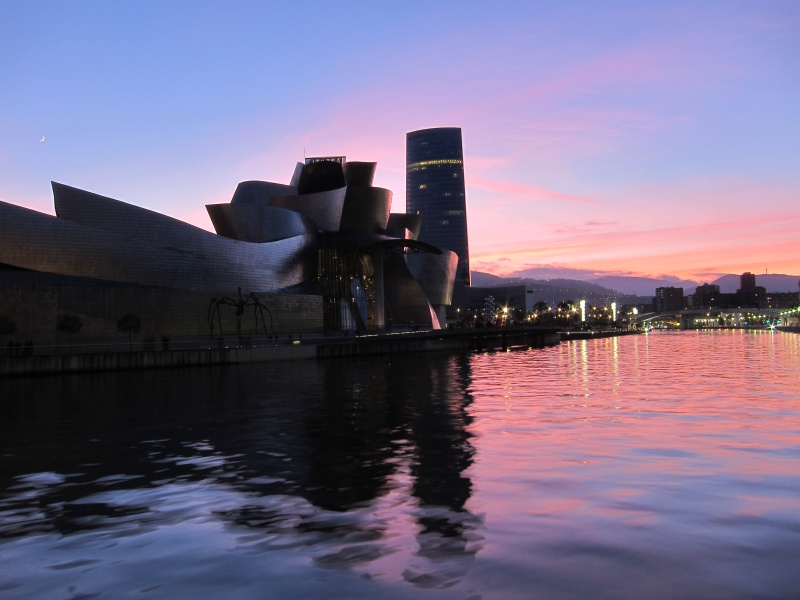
(706, 295)
(749, 294)
(747, 282)
(435, 189)
(780, 300)
(668, 299)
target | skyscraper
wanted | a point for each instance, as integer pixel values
(435, 189)
(747, 282)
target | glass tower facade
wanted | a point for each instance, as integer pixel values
(435, 189)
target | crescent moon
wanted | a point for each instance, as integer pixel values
(41, 140)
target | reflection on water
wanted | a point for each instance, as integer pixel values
(648, 466)
(352, 461)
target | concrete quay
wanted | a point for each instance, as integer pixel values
(453, 340)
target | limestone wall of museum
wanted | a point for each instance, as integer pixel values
(177, 314)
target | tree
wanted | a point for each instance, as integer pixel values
(565, 309)
(131, 324)
(541, 312)
(541, 307)
(69, 324)
(489, 310)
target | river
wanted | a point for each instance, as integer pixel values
(664, 465)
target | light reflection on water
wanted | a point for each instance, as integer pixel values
(652, 466)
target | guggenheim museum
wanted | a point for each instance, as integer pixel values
(321, 253)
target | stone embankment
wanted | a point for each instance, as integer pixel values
(789, 328)
(458, 340)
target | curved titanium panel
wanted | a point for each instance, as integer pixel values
(187, 258)
(406, 304)
(259, 192)
(118, 217)
(366, 209)
(220, 215)
(295, 181)
(324, 208)
(244, 222)
(258, 224)
(270, 223)
(359, 173)
(404, 225)
(436, 274)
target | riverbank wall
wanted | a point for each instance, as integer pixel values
(463, 340)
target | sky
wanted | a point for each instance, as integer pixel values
(600, 138)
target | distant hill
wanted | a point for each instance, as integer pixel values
(617, 287)
(642, 286)
(480, 279)
(610, 285)
(553, 291)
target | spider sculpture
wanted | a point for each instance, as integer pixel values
(240, 304)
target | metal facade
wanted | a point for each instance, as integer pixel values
(329, 233)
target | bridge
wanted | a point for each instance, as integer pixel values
(719, 318)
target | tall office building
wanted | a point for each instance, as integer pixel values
(668, 299)
(747, 282)
(435, 189)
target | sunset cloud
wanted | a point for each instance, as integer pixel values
(529, 192)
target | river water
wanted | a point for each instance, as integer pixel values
(653, 466)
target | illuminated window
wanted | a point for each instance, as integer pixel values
(426, 163)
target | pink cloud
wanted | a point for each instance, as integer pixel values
(528, 192)
(731, 245)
